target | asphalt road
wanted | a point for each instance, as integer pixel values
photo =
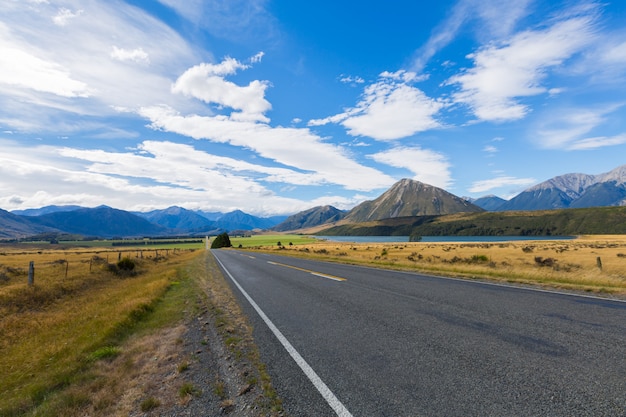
(386, 343)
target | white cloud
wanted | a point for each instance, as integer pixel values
(597, 142)
(490, 149)
(257, 58)
(389, 109)
(427, 166)
(616, 54)
(349, 79)
(136, 55)
(236, 20)
(24, 70)
(498, 182)
(155, 175)
(291, 147)
(496, 19)
(64, 16)
(45, 78)
(206, 82)
(567, 127)
(510, 70)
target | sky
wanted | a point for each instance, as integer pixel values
(274, 107)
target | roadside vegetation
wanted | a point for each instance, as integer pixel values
(101, 332)
(588, 263)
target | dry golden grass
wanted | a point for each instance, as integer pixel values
(78, 303)
(588, 263)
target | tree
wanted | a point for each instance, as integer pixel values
(221, 241)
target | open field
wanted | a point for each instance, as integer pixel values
(588, 263)
(80, 307)
(271, 240)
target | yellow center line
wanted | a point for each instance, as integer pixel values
(318, 274)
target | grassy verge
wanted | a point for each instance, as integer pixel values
(591, 263)
(236, 334)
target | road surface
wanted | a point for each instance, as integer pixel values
(354, 341)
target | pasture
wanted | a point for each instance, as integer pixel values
(588, 263)
(81, 305)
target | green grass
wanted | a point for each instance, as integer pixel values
(149, 404)
(188, 389)
(106, 352)
(271, 240)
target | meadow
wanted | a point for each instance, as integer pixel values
(82, 304)
(587, 263)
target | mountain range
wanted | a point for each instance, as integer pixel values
(568, 191)
(406, 198)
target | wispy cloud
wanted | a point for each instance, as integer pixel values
(496, 19)
(154, 175)
(505, 72)
(327, 163)
(499, 182)
(44, 78)
(235, 20)
(568, 128)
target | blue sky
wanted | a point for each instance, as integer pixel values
(274, 107)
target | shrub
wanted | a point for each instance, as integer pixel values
(126, 264)
(479, 259)
(150, 404)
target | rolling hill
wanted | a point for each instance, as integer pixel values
(310, 218)
(14, 226)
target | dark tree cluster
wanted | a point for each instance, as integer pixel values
(221, 241)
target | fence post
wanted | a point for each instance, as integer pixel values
(67, 267)
(31, 273)
(599, 263)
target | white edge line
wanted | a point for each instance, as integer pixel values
(323, 389)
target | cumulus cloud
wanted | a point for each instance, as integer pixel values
(206, 82)
(427, 166)
(389, 109)
(504, 72)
